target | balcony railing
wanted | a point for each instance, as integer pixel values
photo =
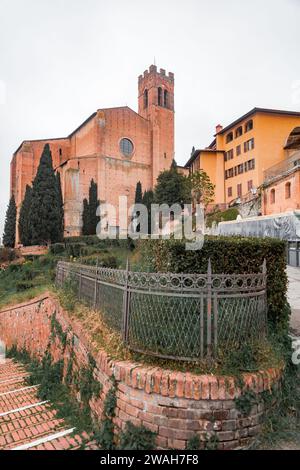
(282, 168)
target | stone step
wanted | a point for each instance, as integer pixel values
(26, 422)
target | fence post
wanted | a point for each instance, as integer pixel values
(126, 305)
(209, 304)
(96, 285)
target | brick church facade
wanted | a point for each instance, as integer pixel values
(116, 147)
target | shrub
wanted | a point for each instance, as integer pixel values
(57, 248)
(230, 255)
(7, 254)
(21, 286)
(74, 249)
(229, 214)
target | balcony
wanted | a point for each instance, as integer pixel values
(282, 168)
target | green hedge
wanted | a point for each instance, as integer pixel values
(229, 255)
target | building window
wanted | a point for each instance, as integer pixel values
(159, 91)
(288, 191)
(60, 152)
(146, 99)
(166, 99)
(251, 164)
(126, 147)
(238, 150)
(229, 155)
(239, 190)
(273, 197)
(230, 173)
(229, 137)
(240, 169)
(249, 126)
(249, 145)
(250, 185)
(165, 155)
(239, 132)
(229, 192)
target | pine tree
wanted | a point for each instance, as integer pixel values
(45, 213)
(61, 205)
(172, 187)
(9, 236)
(24, 221)
(85, 217)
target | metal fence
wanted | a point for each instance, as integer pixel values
(174, 316)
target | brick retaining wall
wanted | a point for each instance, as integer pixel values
(175, 405)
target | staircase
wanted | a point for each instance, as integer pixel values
(26, 422)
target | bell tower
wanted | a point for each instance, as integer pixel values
(156, 104)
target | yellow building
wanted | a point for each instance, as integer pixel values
(242, 152)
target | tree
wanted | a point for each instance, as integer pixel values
(9, 235)
(172, 187)
(148, 199)
(203, 189)
(138, 193)
(45, 211)
(85, 217)
(93, 206)
(138, 200)
(89, 218)
(24, 221)
(61, 205)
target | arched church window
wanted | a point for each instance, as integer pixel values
(146, 99)
(165, 98)
(126, 147)
(159, 96)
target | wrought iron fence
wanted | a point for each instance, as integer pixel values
(174, 316)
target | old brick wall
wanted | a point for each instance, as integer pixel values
(175, 405)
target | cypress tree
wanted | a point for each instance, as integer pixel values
(148, 199)
(45, 213)
(24, 221)
(85, 217)
(9, 235)
(138, 200)
(61, 205)
(138, 193)
(93, 206)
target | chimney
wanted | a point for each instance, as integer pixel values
(218, 128)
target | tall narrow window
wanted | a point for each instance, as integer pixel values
(165, 99)
(239, 190)
(273, 196)
(159, 96)
(250, 185)
(146, 99)
(229, 192)
(288, 191)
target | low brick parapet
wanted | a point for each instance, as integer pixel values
(175, 405)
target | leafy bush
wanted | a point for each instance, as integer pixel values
(230, 255)
(74, 249)
(7, 254)
(21, 286)
(219, 216)
(57, 248)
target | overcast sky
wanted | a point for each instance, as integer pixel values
(60, 60)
